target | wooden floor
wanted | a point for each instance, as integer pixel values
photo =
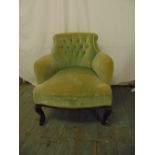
(77, 132)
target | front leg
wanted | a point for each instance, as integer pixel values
(39, 110)
(106, 114)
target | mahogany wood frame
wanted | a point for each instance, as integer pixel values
(103, 118)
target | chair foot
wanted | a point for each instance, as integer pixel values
(39, 110)
(106, 114)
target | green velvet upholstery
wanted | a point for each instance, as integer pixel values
(75, 49)
(44, 68)
(103, 66)
(75, 75)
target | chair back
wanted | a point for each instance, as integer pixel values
(75, 49)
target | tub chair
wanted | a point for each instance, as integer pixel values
(75, 75)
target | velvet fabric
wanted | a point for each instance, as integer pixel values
(75, 75)
(75, 49)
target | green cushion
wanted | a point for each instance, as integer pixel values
(73, 87)
(44, 68)
(75, 49)
(103, 66)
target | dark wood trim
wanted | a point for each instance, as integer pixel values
(70, 108)
(38, 109)
(107, 111)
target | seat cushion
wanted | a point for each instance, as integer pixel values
(75, 87)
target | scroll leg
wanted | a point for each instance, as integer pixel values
(106, 114)
(39, 110)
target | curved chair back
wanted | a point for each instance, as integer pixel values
(75, 49)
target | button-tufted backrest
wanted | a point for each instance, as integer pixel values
(75, 49)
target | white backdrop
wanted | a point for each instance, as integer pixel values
(112, 20)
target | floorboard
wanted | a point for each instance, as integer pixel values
(77, 132)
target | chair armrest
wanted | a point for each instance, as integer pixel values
(44, 68)
(103, 66)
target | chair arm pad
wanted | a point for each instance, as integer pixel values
(44, 68)
(103, 66)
